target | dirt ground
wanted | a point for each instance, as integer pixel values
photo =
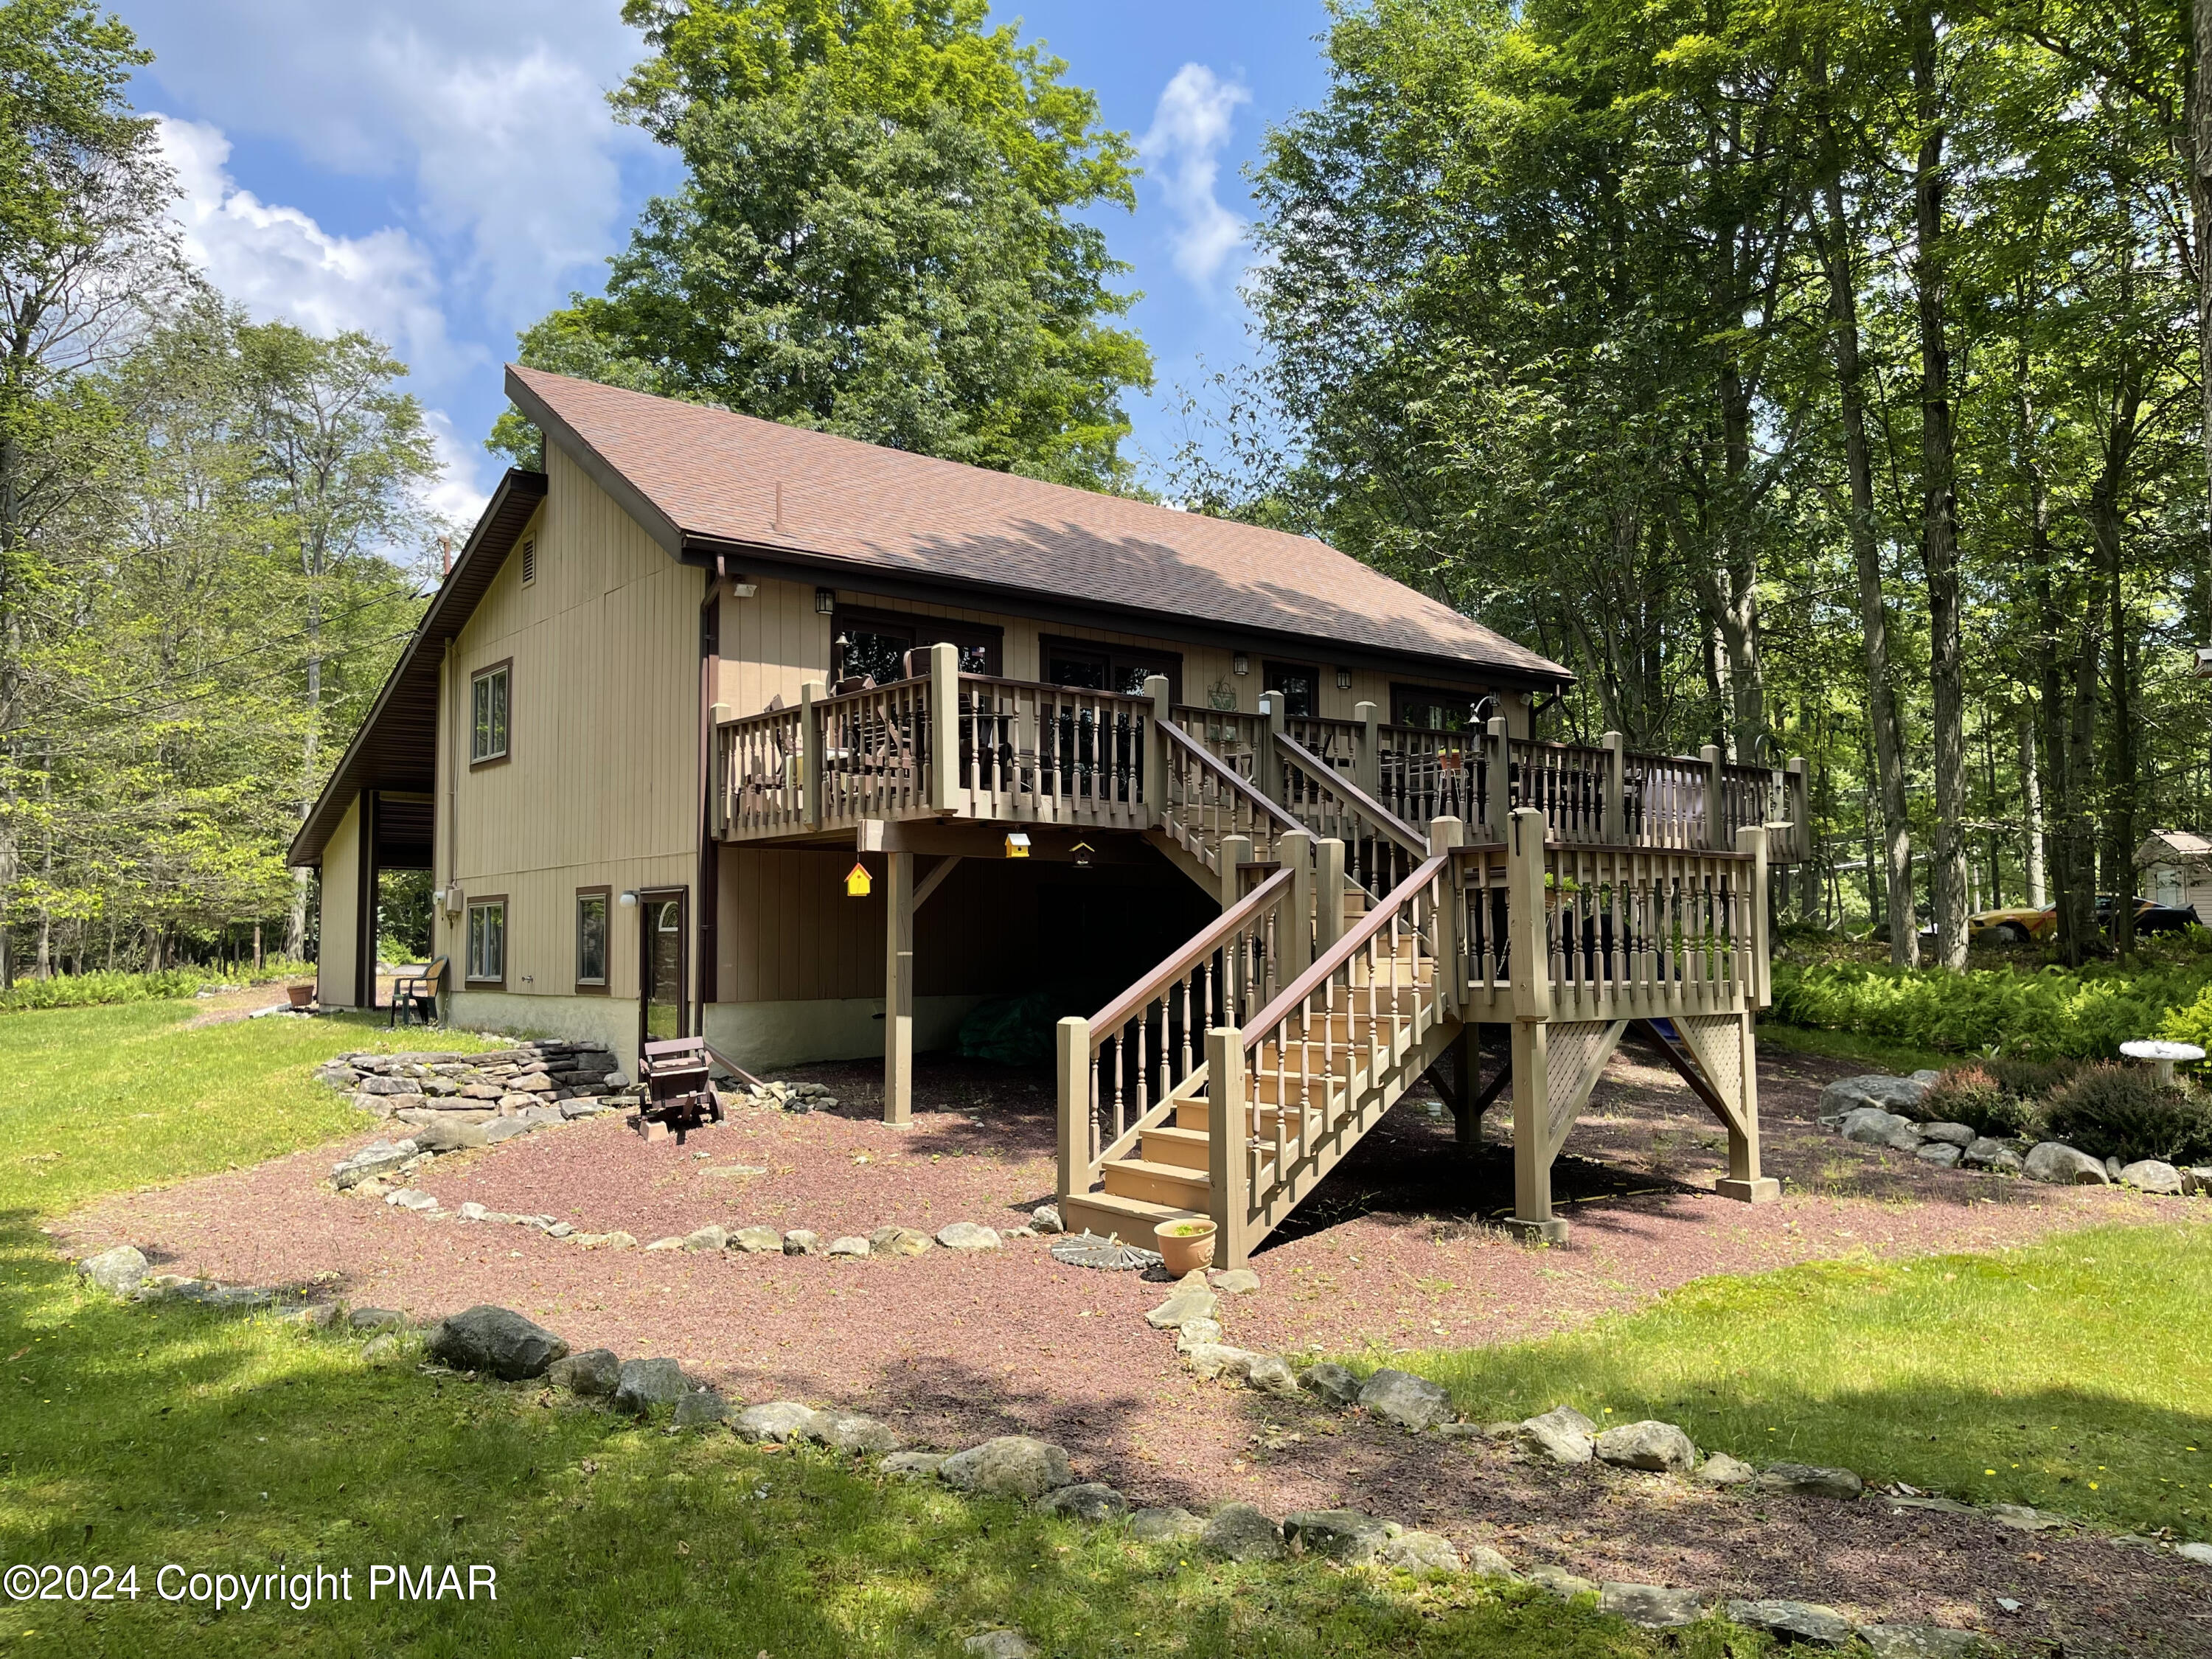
(1390, 1253)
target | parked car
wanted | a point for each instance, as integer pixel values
(2019, 925)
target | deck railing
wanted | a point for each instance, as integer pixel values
(972, 746)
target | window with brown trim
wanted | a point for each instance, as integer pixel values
(592, 908)
(486, 955)
(1100, 666)
(491, 698)
(1298, 683)
(877, 644)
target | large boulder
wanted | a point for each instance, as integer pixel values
(1803, 1621)
(2060, 1164)
(850, 1431)
(1010, 1465)
(1652, 1607)
(1340, 1535)
(594, 1373)
(1889, 1094)
(1091, 1500)
(1957, 1135)
(1429, 1551)
(1172, 1525)
(645, 1383)
(1562, 1434)
(1647, 1445)
(1870, 1126)
(1412, 1402)
(1182, 1306)
(119, 1272)
(1332, 1383)
(1983, 1152)
(779, 1420)
(697, 1409)
(968, 1236)
(496, 1340)
(2152, 1174)
(1721, 1470)
(1237, 1532)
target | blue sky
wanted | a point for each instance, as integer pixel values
(443, 172)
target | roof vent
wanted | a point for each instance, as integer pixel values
(529, 560)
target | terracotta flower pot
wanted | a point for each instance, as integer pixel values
(301, 995)
(1184, 1245)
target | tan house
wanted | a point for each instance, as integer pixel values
(723, 728)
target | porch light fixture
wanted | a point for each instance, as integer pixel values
(1240, 663)
(1344, 679)
(1018, 844)
(858, 881)
(825, 601)
(744, 590)
(629, 900)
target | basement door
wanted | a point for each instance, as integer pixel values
(662, 1006)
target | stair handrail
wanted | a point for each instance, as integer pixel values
(1337, 955)
(1182, 817)
(1194, 949)
(1239, 785)
(1329, 780)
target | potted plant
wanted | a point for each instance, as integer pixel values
(1184, 1245)
(301, 995)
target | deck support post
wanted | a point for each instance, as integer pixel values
(1616, 790)
(1329, 892)
(898, 988)
(1497, 806)
(1230, 1118)
(1445, 834)
(1156, 750)
(1744, 1181)
(811, 693)
(1073, 1066)
(1715, 818)
(1367, 770)
(1236, 850)
(1295, 937)
(1270, 769)
(944, 781)
(1529, 966)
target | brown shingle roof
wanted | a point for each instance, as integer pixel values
(718, 477)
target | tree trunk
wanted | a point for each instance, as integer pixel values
(2031, 813)
(1834, 241)
(1939, 504)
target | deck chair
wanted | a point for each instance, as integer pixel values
(679, 1090)
(418, 994)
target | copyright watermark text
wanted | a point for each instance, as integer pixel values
(296, 1588)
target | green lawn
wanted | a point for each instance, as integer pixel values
(2075, 1376)
(141, 1436)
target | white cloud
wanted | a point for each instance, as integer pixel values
(278, 263)
(456, 497)
(496, 109)
(1183, 150)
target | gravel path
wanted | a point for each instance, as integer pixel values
(1390, 1253)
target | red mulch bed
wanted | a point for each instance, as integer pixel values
(1390, 1252)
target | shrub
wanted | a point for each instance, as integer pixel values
(102, 985)
(2032, 1081)
(1973, 1095)
(2124, 1112)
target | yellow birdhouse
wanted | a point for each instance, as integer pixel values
(1017, 845)
(858, 881)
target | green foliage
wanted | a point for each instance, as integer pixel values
(185, 1430)
(1972, 1096)
(105, 986)
(879, 235)
(2124, 1112)
(2057, 1013)
(1992, 1378)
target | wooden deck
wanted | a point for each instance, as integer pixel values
(1388, 893)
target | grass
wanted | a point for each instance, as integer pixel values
(1875, 1053)
(142, 1435)
(2074, 1374)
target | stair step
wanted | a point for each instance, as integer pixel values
(1157, 1183)
(1187, 1148)
(1108, 1214)
(1196, 1117)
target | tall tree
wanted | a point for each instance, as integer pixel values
(880, 234)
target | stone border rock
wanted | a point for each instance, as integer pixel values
(1858, 1109)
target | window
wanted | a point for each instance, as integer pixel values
(1434, 710)
(488, 705)
(487, 957)
(1101, 667)
(528, 561)
(1298, 684)
(592, 938)
(877, 643)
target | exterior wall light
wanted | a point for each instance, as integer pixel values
(825, 601)
(744, 590)
(1240, 663)
(1344, 679)
(627, 900)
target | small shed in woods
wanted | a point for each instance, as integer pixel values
(2176, 869)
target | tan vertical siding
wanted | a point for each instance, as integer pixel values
(337, 954)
